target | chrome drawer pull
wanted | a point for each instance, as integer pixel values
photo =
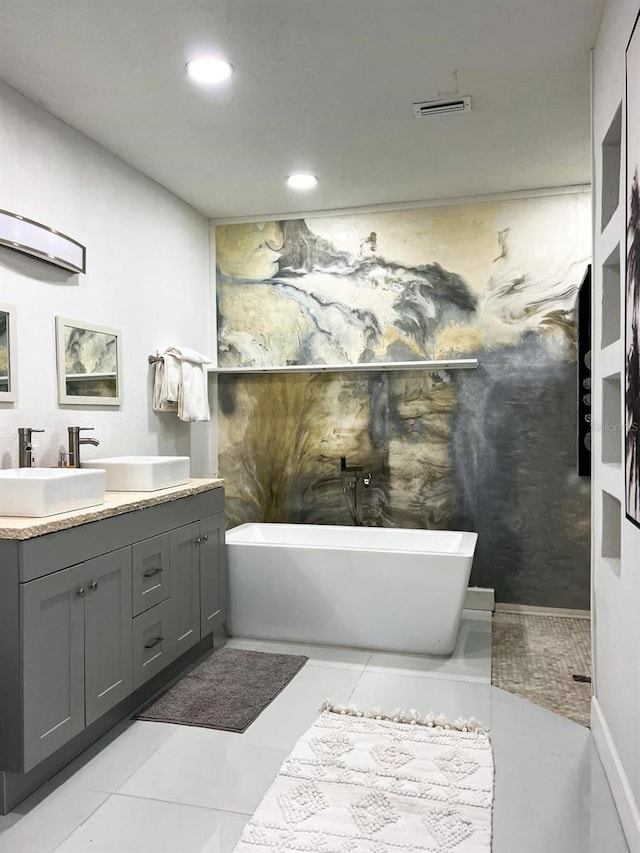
(80, 592)
(153, 572)
(93, 585)
(205, 538)
(153, 642)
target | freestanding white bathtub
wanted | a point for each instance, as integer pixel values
(368, 587)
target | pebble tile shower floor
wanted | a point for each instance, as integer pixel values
(536, 657)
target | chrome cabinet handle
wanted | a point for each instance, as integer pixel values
(93, 586)
(153, 572)
(205, 538)
(153, 642)
(198, 540)
(80, 592)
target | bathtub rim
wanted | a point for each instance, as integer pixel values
(466, 549)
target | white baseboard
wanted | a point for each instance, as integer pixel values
(617, 778)
(543, 611)
(479, 598)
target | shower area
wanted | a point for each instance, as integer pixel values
(340, 437)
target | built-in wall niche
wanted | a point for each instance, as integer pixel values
(611, 531)
(611, 153)
(611, 426)
(611, 298)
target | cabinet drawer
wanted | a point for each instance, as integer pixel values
(151, 575)
(152, 646)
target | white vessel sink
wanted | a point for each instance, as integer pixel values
(38, 492)
(143, 473)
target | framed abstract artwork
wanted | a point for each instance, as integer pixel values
(89, 363)
(8, 354)
(632, 280)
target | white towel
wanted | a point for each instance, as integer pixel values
(165, 384)
(181, 384)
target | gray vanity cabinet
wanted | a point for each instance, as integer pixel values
(76, 636)
(108, 673)
(213, 575)
(52, 615)
(185, 587)
(185, 570)
(96, 618)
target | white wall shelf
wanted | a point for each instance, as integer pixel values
(88, 377)
(371, 367)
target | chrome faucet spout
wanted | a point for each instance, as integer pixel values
(25, 446)
(74, 444)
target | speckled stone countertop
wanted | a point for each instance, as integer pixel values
(115, 503)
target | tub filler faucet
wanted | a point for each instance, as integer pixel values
(353, 482)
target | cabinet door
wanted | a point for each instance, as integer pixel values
(185, 587)
(107, 626)
(213, 574)
(52, 617)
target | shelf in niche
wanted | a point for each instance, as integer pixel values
(611, 531)
(611, 298)
(371, 367)
(611, 156)
(611, 426)
(88, 377)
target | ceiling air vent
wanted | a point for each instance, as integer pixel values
(457, 104)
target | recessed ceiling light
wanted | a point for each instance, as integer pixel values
(302, 181)
(209, 69)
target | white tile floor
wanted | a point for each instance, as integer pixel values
(158, 788)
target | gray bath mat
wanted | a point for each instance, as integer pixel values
(228, 691)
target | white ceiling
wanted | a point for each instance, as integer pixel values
(320, 85)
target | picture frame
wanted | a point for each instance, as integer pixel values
(632, 277)
(8, 354)
(89, 363)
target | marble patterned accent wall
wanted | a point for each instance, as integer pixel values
(490, 450)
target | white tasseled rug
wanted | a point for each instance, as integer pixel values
(374, 783)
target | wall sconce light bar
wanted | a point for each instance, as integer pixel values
(32, 238)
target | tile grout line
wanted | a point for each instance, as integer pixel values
(84, 820)
(186, 805)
